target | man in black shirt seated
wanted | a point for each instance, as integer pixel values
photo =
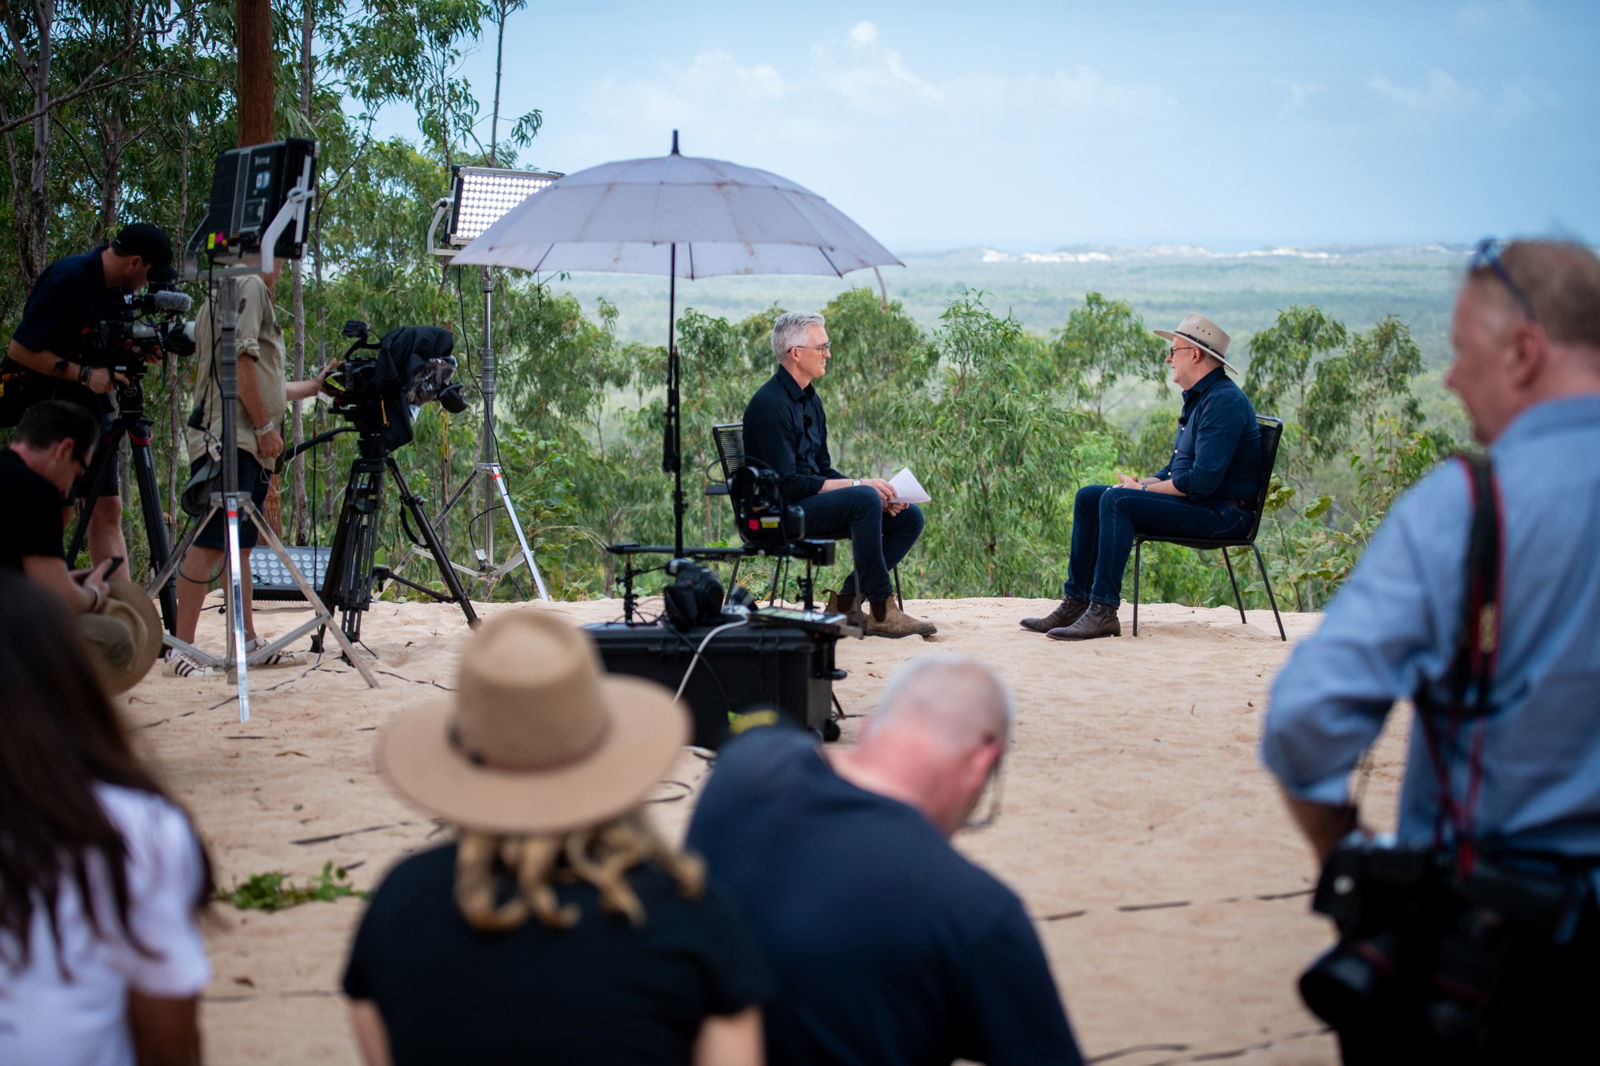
(889, 948)
(785, 429)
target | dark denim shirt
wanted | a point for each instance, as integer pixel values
(785, 428)
(1217, 454)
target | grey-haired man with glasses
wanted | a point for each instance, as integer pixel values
(786, 429)
(1502, 779)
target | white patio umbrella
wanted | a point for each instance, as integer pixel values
(684, 217)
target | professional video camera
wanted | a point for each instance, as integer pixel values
(146, 331)
(767, 524)
(380, 393)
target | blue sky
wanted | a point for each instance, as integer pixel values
(1028, 126)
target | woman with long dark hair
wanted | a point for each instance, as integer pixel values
(558, 926)
(102, 877)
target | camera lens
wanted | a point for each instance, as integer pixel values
(452, 399)
(1347, 980)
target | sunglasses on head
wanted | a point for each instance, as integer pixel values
(1487, 254)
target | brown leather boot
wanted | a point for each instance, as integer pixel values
(1100, 620)
(886, 619)
(840, 603)
(1068, 611)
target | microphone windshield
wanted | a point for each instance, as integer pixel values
(167, 300)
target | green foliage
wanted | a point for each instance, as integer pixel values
(274, 891)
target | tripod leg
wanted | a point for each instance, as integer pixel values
(347, 584)
(95, 479)
(413, 505)
(516, 526)
(155, 527)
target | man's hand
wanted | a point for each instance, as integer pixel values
(1126, 482)
(269, 442)
(94, 580)
(884, 490)
(102, 380)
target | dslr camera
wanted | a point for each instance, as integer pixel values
(1419, 942)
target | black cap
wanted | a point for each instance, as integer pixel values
(150, 243)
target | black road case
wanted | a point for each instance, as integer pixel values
(742, 668)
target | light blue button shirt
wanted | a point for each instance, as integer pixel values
(1393, 625)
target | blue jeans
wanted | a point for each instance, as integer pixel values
(877, 541)
(1105, 519)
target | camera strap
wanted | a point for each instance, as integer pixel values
(1471, 675)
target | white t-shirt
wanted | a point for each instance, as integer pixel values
(83, 1022)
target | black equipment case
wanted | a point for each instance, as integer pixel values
(741, 669)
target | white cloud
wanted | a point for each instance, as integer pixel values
(1296, 95)
(1490, 15)
(864, 33)
(1524, 97)
(1438, 93)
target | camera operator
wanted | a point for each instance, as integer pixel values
(1503, 773)
(54, 443)
(264, 395)
(47, 357)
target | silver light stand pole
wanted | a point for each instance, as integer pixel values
(232, 504)
(488, 463)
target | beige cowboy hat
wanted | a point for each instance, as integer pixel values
(131, 606)
(538, 738)
(1200, 331)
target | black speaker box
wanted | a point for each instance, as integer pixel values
(741, 669)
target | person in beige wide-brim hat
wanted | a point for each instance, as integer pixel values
(1206, 491)
(558, 899)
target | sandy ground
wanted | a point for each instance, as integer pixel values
(1167, 884)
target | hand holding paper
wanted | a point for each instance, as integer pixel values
(907, 489)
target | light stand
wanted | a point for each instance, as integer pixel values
(229, 501)
(481, 196)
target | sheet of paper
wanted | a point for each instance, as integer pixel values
(907, 489)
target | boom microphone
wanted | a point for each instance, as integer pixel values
(169, 300)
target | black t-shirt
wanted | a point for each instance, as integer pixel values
(600, 992)
(66, 303)
(32, 508)
(888, 947)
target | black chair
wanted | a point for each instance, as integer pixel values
(1271, 434)
(729, 438)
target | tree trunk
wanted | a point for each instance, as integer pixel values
(297, 476)
(256, 88)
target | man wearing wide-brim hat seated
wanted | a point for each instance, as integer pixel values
(1206, 490)
(53, 446)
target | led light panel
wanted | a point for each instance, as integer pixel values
(483, 194)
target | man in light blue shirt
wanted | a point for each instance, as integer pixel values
(1526, 334)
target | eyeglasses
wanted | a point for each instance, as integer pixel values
(817, 347)
(1487, 254)
(1180, 351)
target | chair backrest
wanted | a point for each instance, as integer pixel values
(1271, 433)
(729, 437)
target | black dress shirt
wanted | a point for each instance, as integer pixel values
(785, 429)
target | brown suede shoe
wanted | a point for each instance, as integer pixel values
(1099, 620)
(886, 619)
(1068, 611)
(845, 603)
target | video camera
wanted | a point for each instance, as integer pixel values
(146, 331)
(767, 524)
(380, 392)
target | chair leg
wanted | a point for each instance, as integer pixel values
(733, 578)
(1267, 581)
(777, 582)
(1238, 600)
(899, 600)
(1138, 547)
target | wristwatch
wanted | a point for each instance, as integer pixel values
(267, 428)
(84, 370)
(856, 483)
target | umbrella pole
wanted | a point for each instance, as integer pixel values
(672, 437)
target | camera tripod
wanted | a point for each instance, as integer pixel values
(132, 423)
(351, 577)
